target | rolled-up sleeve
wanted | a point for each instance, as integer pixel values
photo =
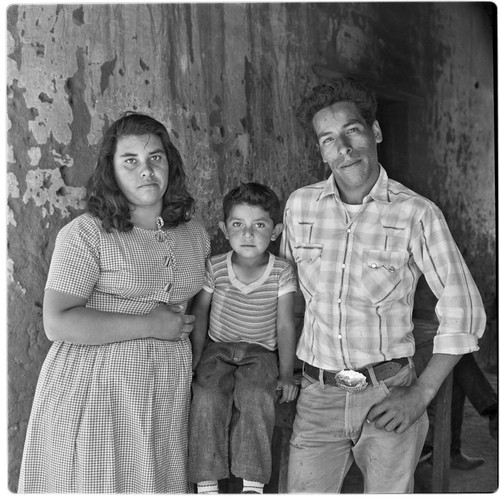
(459, 308)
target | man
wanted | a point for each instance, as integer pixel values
(360, 242)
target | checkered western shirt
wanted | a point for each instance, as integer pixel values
(358, 276)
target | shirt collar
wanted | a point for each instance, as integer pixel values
(379, 191)
(330, 188)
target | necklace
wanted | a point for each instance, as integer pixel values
(160, 235)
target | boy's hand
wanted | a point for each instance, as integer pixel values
(289, 389)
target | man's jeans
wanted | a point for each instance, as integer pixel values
(246, 375)
(330, 431)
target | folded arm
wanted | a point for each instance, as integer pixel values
(66, 318)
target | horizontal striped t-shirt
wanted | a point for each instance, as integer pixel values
(246, 312)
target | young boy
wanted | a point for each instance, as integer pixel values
(248, 296)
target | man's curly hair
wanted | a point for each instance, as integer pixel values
(105, 199)
(337, 90)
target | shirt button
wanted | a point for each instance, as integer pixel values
(348, 230)
(373, 265)
(343, 265)
(339, 336)
(339, 300)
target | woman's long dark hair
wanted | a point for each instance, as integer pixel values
(105, 199)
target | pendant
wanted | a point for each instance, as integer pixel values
(160, 235)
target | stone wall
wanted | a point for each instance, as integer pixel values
(225, 79)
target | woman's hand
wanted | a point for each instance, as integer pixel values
(168, 323)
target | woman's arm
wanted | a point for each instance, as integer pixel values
(201, 311)
(286, 347)
(65, 318)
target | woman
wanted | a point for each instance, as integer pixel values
(111, 408)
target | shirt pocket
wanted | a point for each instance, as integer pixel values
(382, 275)
(308, 253)
(308, 260)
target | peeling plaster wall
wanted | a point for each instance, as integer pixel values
(225, 79)
(463, 144)
(453, 148)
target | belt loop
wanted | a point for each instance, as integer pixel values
(321, 380)
(410, 362)
(372, 376)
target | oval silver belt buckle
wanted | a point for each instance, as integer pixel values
(351, 381)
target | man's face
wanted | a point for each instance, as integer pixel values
(349, 146)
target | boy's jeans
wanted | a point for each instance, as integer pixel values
(330, 431)
(244, 374)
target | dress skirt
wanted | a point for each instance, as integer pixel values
(110, 419)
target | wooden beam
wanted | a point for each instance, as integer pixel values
(442, 438)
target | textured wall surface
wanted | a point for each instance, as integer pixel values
(225, 79)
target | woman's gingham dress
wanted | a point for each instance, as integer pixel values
(113, 418)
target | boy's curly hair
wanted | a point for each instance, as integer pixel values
(254, 194)
(105, 199)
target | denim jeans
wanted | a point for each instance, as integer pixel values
(232, 412)
(330, 432)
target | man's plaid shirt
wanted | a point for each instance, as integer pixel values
(358, 276)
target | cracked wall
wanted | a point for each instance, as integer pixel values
(225, 79)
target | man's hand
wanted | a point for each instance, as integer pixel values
(405, 405)
(399, 410)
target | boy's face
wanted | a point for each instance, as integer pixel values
(249, 230)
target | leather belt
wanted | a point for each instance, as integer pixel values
(382, 371)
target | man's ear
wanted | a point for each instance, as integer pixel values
(222, 226)
(377, 131)
(278, 228)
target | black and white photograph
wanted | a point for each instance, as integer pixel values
(251, 248)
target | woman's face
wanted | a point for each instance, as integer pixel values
(141, 170)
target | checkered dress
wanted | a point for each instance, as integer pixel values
(113, 418)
